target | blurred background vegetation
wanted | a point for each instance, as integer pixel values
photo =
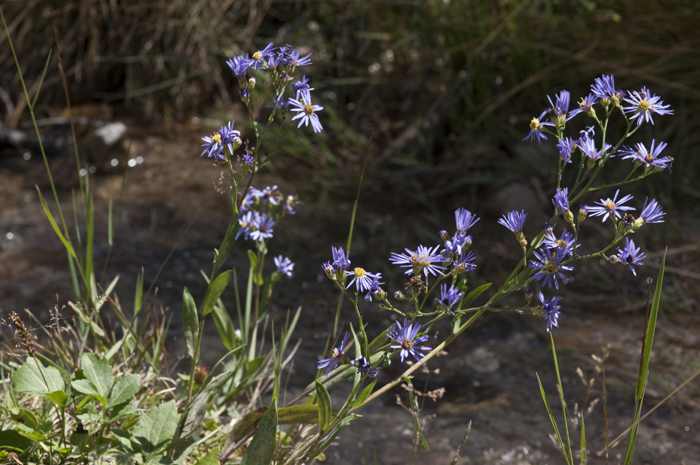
(437, 92)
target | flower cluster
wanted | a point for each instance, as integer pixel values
(550, 260)
(261, 210)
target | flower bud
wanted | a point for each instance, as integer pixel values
(444, 235)
(528, 296)
(251, 83)
(398, 295)
(582, 214)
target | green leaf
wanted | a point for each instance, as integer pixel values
(12, 440)
(224, 325)
(262, 447)
(298, 414)
(190, 323)
(66, 243)
(214, 291)
(98, 372)
(364, 394)
(471, 297)
(324, 406)
(212, 458)
(85, 386)
(227, 243)
(59, 397)
(31, 378)
(123, 390)
(157, 427)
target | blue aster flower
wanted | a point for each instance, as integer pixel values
(648, 157)
(644, 103)
(248, 159)
(607, 207)
(374, 289)
(550, 309)
(536, 127)
(362, 279)
(301, 89)
(239, 65)
(261, 57)
(284, 265)
(245, 220)
(423, 259)
(290, 58)
(456, 243)
(307, 112)
(585, 105)
(514, 221)
(280, 102)
(449, 296)
(337, 357)
(587, 146)
(631, 255)
(341, 260)
(213, 147)
(464, 262)
(364, 367)
(464, 219)
(565, 242)
(560, 107)
(405, 337)
(604, 87)
(549, 267)
(561, 201)
(652, 213)
(262, 225)
(566, 147)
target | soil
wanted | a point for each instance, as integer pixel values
(489, 374)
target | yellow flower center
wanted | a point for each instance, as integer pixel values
(257, 55)
(407, 344)
(609, 205)
(561, 244)
(643, 106)
(534, 124)
(359, 272)
(308, 109)
(550, 267)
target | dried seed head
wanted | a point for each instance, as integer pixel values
(23, 333)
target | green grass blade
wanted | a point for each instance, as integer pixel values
(66, 243)
(644, 365)
(584, 459)
(554, 422)
(560, 388)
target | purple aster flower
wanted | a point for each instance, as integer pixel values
(448, 297)
(652, 213)
(566, 146)
(561, 105)
(341, 259)
(565, 242)
(284, 265)
(261, 57)
(363, 279)
(405, 337)
(456, 243)
(644, 103)
(213, 146)
(268, 195)
(464, 262)
(307, 113)
(301, 89)
(230, 137)
(587, 145)
(536, 127)
(604, 87)
(261, 227)
(245, 221)
(464, 219)
(239, 65)
(280, 103)
(648, 157)
(550, 310)
(364, 367)
(585, 105)
(374, 288)
(514, 221)
(289, 58)
(243, 92)
(423, 259)
(548, 262)
(609, 207)
(248, 159)
(337, 357)
(631, 255)
(561, 201)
